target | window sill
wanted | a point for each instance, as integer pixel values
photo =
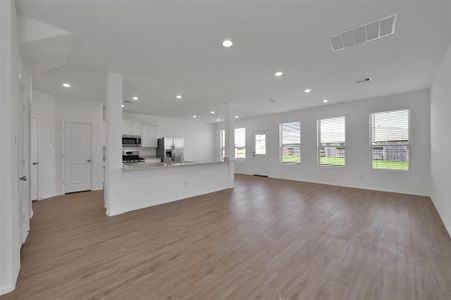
(390, 170)
(332, 167)
(290, 164)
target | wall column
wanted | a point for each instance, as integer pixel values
(229, 127)
(113, 167)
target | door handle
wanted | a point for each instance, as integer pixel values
(88, 160)
(23, 178)
(35, 163)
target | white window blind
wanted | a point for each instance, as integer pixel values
(390, 140)
(240, 143)
(332, 141)
(222, 143)
(290, 142)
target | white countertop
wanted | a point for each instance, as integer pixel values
(159, 165)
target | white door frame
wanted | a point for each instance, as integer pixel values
(37, 156)
(64, 153)
(264, 172)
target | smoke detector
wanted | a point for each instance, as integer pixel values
(364, 33)
(364, 80)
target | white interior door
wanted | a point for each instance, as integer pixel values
(260, 164)
(77, 157)
(34, 158)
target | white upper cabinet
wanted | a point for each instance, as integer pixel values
(149, 136)
(136, 128)
(126, 127)
(131, 127)
(148, 133)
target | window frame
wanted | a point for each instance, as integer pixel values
(254, 135)
(318, 147)
(235, 147)
(281, 145)
(370, 141)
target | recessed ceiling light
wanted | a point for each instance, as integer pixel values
(278, 73)
(325, 101)
(236, 117)
(227, 43)
(194, 116)
(307, 91)
(212, 112)
(66, 85)
(122, 105)
(218, 120)
(135, 98)
(178, 97)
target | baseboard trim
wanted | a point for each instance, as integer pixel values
(7, 289)
(447, 228)
(349, 186)
(48, 197)
(11, 287)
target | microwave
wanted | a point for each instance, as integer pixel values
(131, 141)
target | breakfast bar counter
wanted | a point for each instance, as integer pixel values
(156, 165)
(149, 184)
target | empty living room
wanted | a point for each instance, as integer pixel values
(225, 150)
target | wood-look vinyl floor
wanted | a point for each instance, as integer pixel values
(266, 239)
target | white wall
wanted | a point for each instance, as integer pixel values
(53, 113)
(43, 108)
(357, 172)
(441, 141)
(199, 137)
(11, 64)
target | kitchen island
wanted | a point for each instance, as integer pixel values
(149, 184)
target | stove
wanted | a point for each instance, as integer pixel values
(131, 157)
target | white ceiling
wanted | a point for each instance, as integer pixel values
(165, 48)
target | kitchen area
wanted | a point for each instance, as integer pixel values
(152, 160)
(143, 147)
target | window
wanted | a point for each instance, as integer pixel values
(290, 142)
(240, 143)
(260, 144)
(390, 140)
(222, 143)
(332, 139)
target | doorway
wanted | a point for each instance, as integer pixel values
(77, 157)
(260, 164)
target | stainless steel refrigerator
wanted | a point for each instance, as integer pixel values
(170, 149)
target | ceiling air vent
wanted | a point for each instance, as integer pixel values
(364, 33)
